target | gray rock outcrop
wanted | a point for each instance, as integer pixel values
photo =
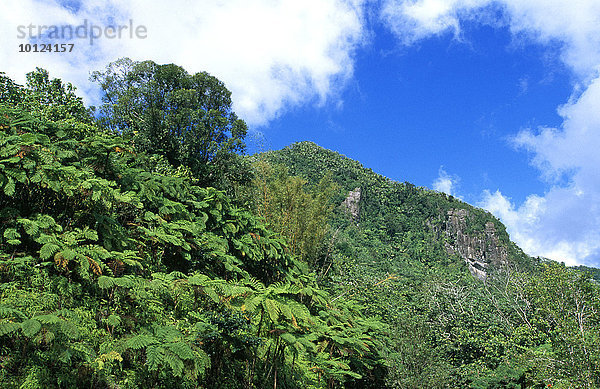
(479, 250)
(351, 204)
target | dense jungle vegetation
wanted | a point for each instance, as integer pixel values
(141, 248)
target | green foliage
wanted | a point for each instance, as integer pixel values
(298, 213)
(185, 118)
(118, 269)
(525, 326)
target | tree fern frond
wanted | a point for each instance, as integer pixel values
(8, 312)
(31, 327)
(9, 327)
(48, 250)
(288, 338)
(201, 361)
(70, 329)
(175, 363)
(168, 333)
(181, 349)
(85, 350)
(154, 357)
(140, 341)
(272, 309)
(254, 301)
(48, 319)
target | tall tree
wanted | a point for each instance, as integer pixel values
(298, 212)
(186, 118)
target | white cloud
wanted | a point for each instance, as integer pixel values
(564, 222)
(414, 20)
(523, 85)
(556, 225)
(568, 226)
(575, 25)
(445, 182)
(14, 13)
(575, 145)
(272, 54)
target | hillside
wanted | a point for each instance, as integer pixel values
(190, 265)
(398, 213)
(120, 269)
(441, 273)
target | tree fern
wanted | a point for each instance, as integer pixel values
(155, 356)
(31, 327)
(174, 362)
(48, 319)
(140, 341)
(11, 312)
(120, 267)
(8, 327)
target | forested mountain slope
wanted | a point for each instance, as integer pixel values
(140, 249)
(466, 307)
(400, 213)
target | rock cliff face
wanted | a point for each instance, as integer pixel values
(351, 204)
(478, 249)
(389, 209)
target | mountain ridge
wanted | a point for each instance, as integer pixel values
(472, 233)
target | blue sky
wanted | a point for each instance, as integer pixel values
(495, 102)
(409, 112)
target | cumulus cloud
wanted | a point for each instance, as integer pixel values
(557, 225)
(574, 25)
(445, 183)
(23, 13)
(414, 20)
(272, 54)
(564, 222)
(567, 226)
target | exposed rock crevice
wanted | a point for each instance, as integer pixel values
(351, 204)
(479, 250)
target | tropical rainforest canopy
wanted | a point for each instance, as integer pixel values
(139, 248)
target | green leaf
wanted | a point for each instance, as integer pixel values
(154, 357)
(31, 327)
(87, 351)
(31, 228)
(48, 250)
(10, 312)
(113, 320)
(182, 350)
(48, 319)
(90, 234)
(11, 233)
(272, 309)
(175, 363)
(140, 341)
(123, 282)
(106, 282)
(198, 280)
(9, 327)
(28, 138)
(9, 188)
(288, 338)
(210, 292)
(70, 329)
